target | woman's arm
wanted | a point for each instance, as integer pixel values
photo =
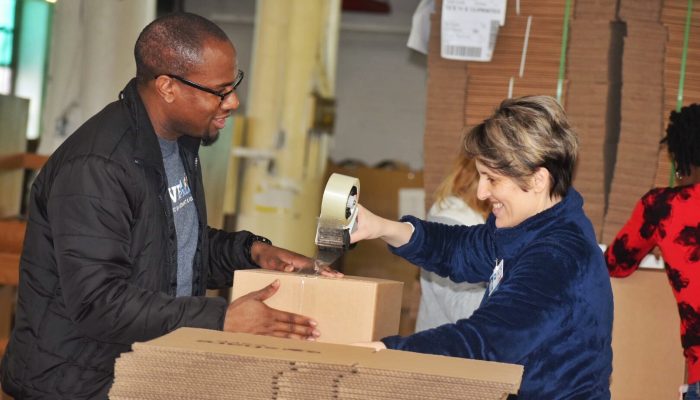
(371, 226)
(634, 241)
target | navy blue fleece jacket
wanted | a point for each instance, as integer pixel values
(552, 311)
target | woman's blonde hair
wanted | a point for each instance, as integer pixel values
(524, 134)
(462, 182)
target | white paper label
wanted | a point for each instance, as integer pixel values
(470, 28)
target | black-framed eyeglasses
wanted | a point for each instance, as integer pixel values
(220, 93)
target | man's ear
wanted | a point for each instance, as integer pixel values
(165, 88)
(541, 180)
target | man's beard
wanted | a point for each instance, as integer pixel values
(208, 140)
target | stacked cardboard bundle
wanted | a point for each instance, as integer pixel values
(444, 118)
(525, 60)
(461, 94)
(593, 71)
(204, 364)
(641, 114)
(674, 17)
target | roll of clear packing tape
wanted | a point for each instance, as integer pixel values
(339, 203)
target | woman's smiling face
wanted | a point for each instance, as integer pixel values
(511, 205)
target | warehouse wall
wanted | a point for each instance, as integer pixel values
(380, 82)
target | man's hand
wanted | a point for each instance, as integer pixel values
(278, 259)
(249, 314)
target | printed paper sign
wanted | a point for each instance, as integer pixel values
(470, 28)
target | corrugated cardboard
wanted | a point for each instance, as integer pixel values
(593, 104)
(648, 358)
(198, 363)
(673, 17)
(641, 121)
(348, 310)
(461, 94)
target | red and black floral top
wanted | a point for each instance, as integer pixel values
(670, 219)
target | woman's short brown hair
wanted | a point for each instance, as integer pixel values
(524, 134)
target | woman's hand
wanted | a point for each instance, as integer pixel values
(371, 226)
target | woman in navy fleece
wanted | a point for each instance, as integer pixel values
(549, 304)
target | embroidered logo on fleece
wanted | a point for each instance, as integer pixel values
(496, 276)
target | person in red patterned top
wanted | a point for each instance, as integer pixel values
(669, 218)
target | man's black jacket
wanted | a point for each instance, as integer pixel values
(99, 266)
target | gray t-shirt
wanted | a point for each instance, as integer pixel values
(184, 214)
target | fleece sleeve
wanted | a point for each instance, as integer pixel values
(462, 253)
(91, 216)
(533, 300)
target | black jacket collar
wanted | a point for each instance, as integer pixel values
(147, 147)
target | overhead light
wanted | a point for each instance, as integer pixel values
(51, 1)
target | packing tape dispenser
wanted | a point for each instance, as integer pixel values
(338, 217)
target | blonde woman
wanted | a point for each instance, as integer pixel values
(442, 300)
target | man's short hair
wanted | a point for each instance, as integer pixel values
(173, 44)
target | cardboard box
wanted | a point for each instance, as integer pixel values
(645, 318)
(206, 364)
(348, 310)
(372, 258)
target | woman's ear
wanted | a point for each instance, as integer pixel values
(541, 180)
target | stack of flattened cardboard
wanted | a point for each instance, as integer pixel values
(444, 118)
(641, 114)
(525, 60)
(593, 105)
(204, 364)
(673, 17)
(461, 94)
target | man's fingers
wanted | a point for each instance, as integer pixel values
(296, 331)
(267, 292)
(330, 272)
(295, 324)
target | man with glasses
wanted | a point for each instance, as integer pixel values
(117, 248)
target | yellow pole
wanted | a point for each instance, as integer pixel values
(294, 53)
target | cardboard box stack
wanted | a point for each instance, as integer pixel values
(593, 102)
(526, 58)
(204, 364)
(641, 115)
(673, 17)
(444, 116)
(525, 61)
(348, 310)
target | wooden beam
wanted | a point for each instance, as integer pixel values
(22, 161)
(12, 236)
(7, 306)
(9, 269)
